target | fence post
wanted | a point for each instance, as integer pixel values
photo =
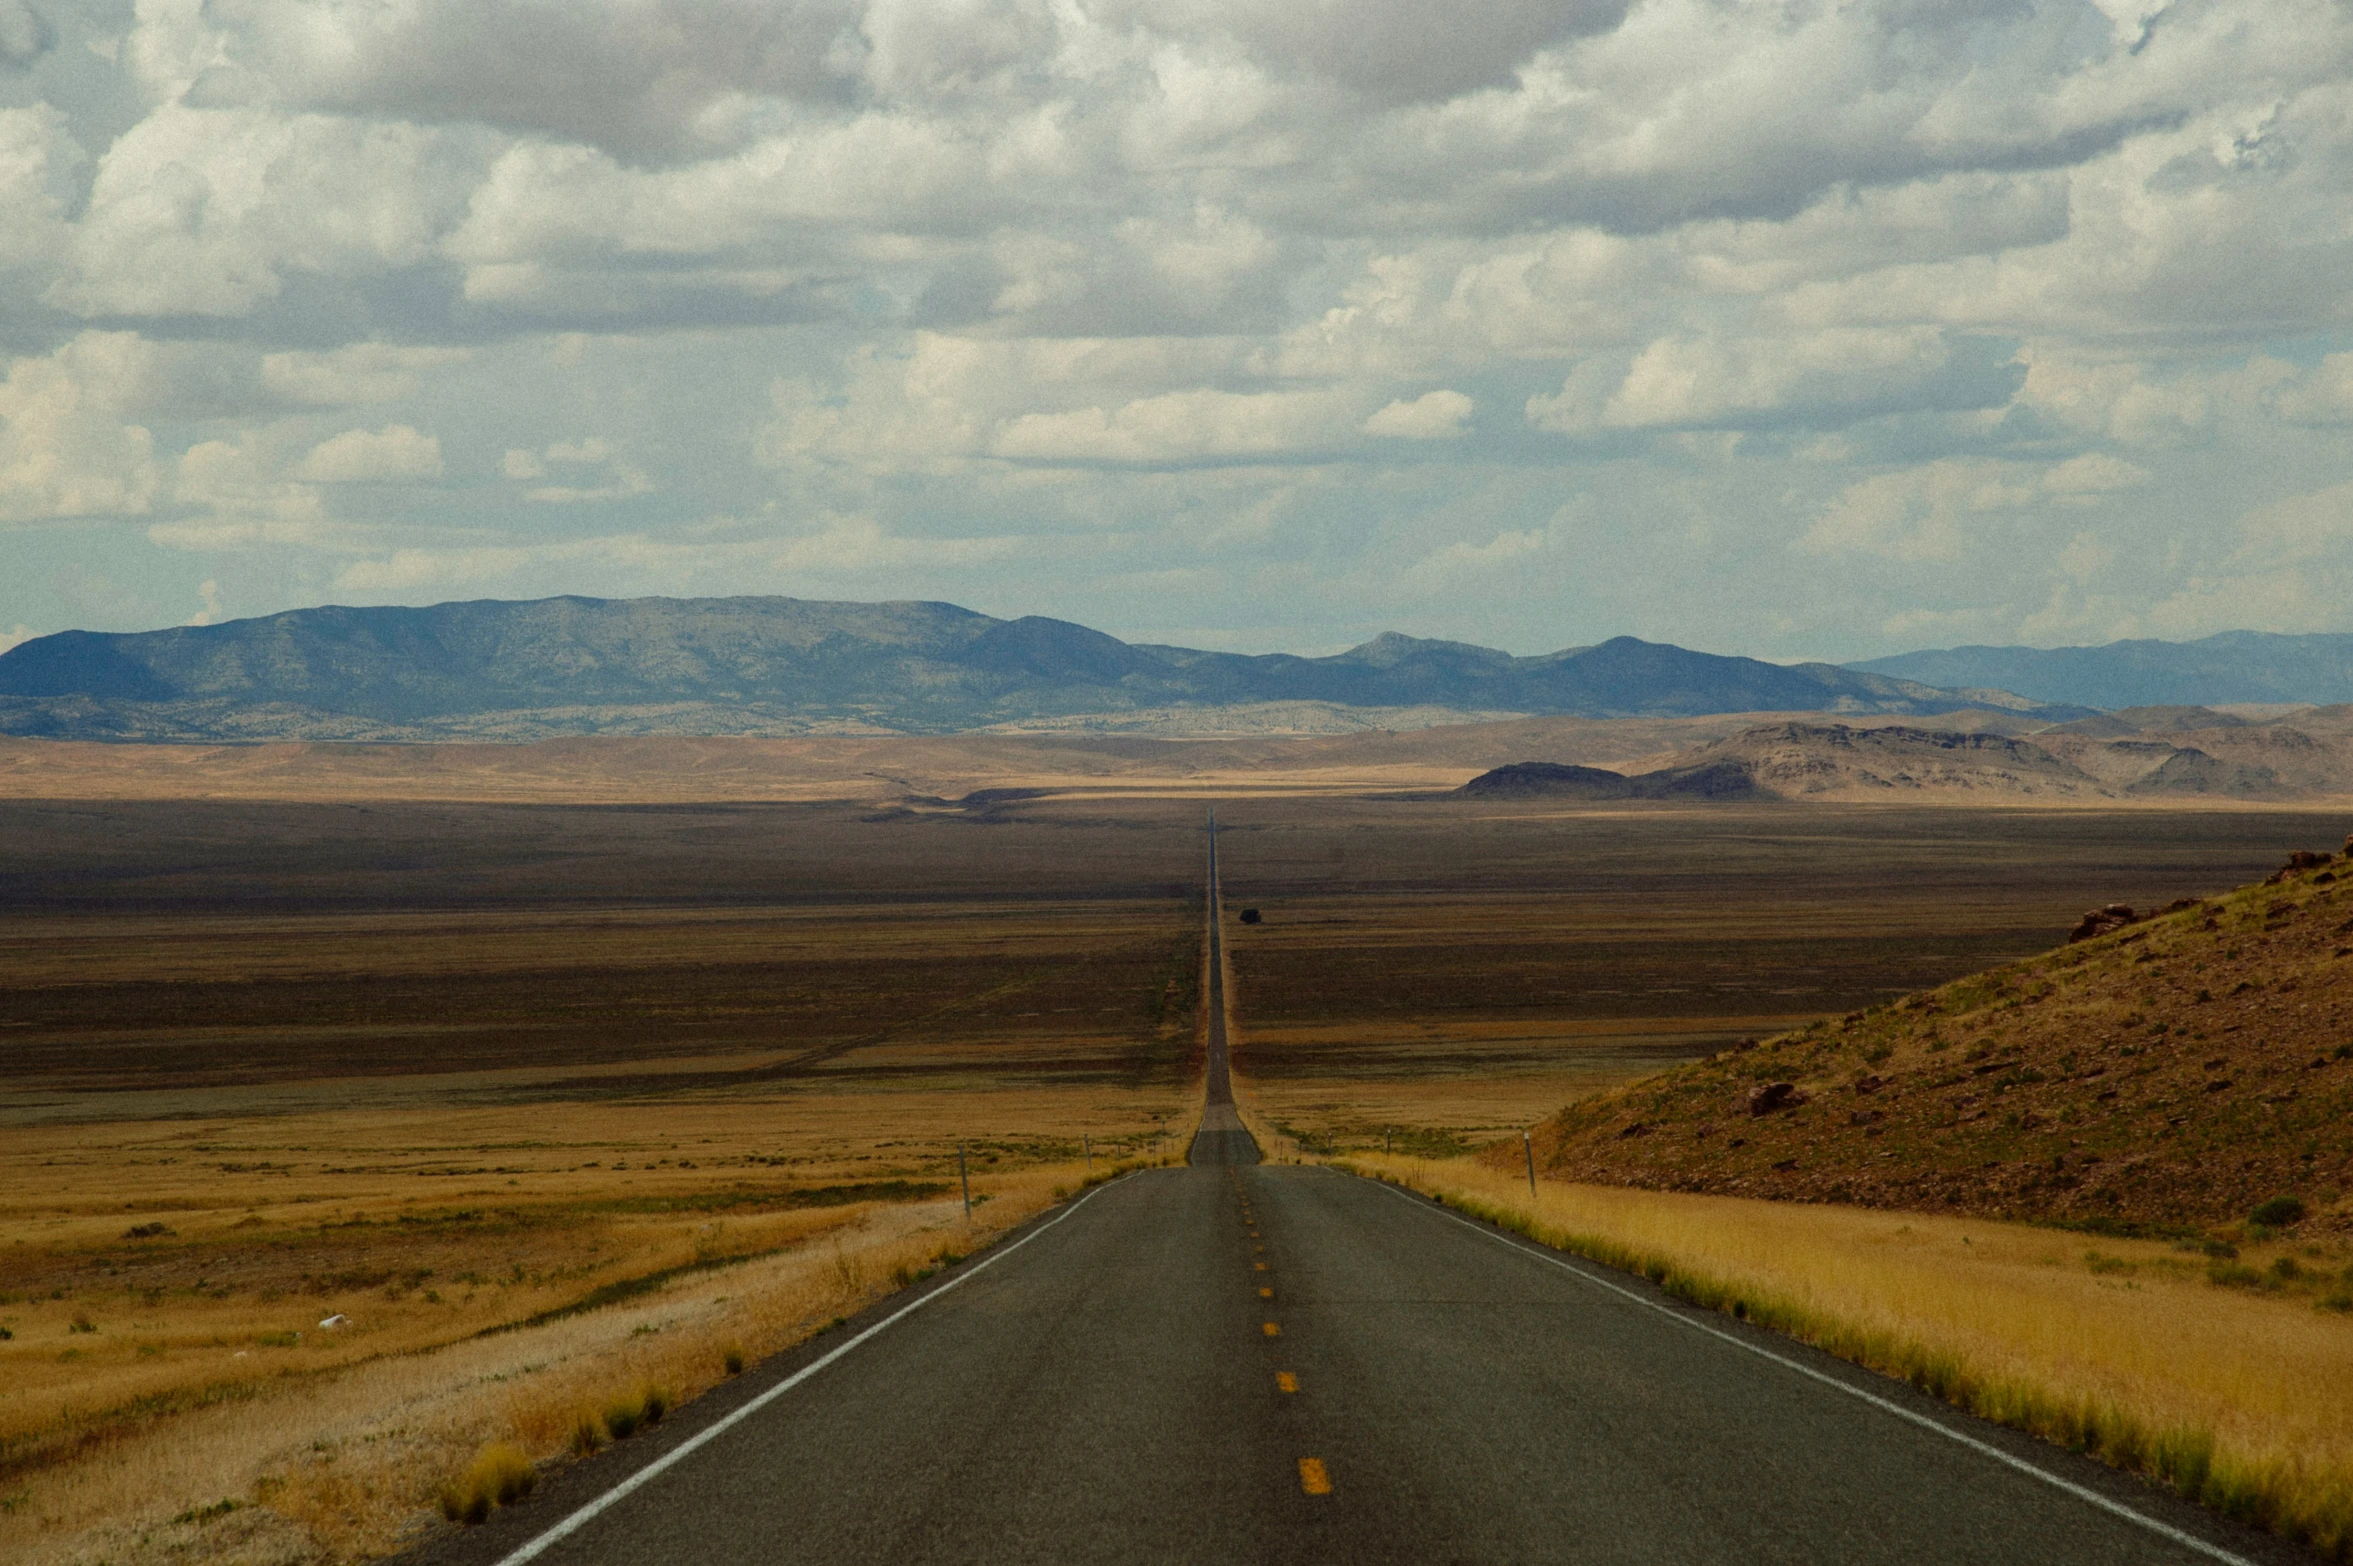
(1087, 1146)
(965, 1180)
(1528, 1146)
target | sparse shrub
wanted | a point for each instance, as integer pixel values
(588, 1433)
(501, 1476)
(2233, 1275)
(655, 1401)
(2279, 1212)
(624, 1414)
(82, 1323)
(2286, 1270)
(733, 1359)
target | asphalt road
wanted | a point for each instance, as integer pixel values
(1221, 1137)
(1238, 1362)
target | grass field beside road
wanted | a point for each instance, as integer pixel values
(2235, 1397)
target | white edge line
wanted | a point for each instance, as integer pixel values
(586, 1513)
(1531, 1250)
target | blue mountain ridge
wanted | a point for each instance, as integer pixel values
(704, 665)
(2233, 666)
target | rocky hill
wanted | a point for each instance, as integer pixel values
(2165, 1072)
(2105, 758)
(782, 666)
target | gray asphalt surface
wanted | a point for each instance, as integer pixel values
(1221, 1137)
(1243, 1362)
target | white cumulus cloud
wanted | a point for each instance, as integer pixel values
(393, 453)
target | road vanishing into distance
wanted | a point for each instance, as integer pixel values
(1242, 1362)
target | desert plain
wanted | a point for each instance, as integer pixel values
(466, 1074)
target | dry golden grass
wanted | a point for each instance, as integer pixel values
(2123, 1347)
(209, 1392)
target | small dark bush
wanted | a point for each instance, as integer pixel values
(623, 1415)
(588, 1433)
(501, 1476)
(2279, 1212)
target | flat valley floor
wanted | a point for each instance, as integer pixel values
(444, 1068)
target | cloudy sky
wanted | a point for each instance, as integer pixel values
(1795, 328)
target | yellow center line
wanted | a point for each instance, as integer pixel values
(1312, 1478)
(1286, 1382)
(1260, 1266)
(1266, 1294)
(1274, 1329)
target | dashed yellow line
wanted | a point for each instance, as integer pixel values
(1266, 1294)
(1312, 1478)
(1274, 1329)
(1260, 1266)
(1286, 1382)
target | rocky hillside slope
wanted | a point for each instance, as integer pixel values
(2173, 1072)
(2215, 758)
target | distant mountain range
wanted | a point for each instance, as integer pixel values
(514, 671)
(2236, 666)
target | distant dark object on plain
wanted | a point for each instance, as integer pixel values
(1549, 779)
(1251, 916)
(1554, 780)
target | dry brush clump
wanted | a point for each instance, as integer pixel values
(2125, 1352)
(501, 1476)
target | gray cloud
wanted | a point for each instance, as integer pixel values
(25, 35)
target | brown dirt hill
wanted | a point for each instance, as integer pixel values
(1835, 762)
(2173, 1074)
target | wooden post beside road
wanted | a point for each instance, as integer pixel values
(965, 1180)
(1086, 1146)
(1527, 1145)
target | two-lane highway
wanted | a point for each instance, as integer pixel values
(1240, 1362)
(1222, 1138)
